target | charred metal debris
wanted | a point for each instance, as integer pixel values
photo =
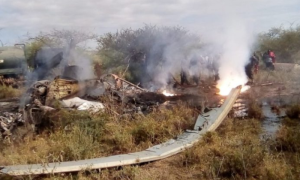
(8, 121)
(108, 93)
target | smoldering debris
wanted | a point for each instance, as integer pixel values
(96, 95)
(8, 121)
(44, 95)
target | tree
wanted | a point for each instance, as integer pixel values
(145, 51)
(284, 42)
(68, 39)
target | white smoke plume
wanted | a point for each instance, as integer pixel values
(236, 41)
(226, 44)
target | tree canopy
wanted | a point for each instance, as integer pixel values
(284, 42)
(145, 49)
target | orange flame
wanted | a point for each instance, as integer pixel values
(226, 85)
(166, 93)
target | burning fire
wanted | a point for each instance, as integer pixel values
(166, 93)
(225, 86)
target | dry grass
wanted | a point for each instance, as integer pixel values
(288, 136)
(9, 92)
(234, 151)
(77, 135)
(254, 110)
(277, 76)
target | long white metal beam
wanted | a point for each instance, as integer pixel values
(205, 122)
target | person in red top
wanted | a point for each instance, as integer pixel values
(272, 55)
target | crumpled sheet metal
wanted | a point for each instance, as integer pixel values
(61, 88)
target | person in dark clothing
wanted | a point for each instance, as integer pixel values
(255, 62)
(249, 72)
(252, 65)
(269, 59)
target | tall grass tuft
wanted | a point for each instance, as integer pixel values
(9, 92)
(254, 110)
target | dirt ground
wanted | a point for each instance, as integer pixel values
(279, 86)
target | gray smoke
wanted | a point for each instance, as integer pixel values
(66, 62)
(51, 62)
(225, 47)
(184, 53)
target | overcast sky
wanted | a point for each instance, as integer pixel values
(19, 17)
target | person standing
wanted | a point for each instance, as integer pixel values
(255, 62)
(252, 67)
(272, 56)
(268, 59)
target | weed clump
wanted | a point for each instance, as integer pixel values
(254, 110)
(287, 138)
(9, 92)
(233, 152)
(293, 112)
